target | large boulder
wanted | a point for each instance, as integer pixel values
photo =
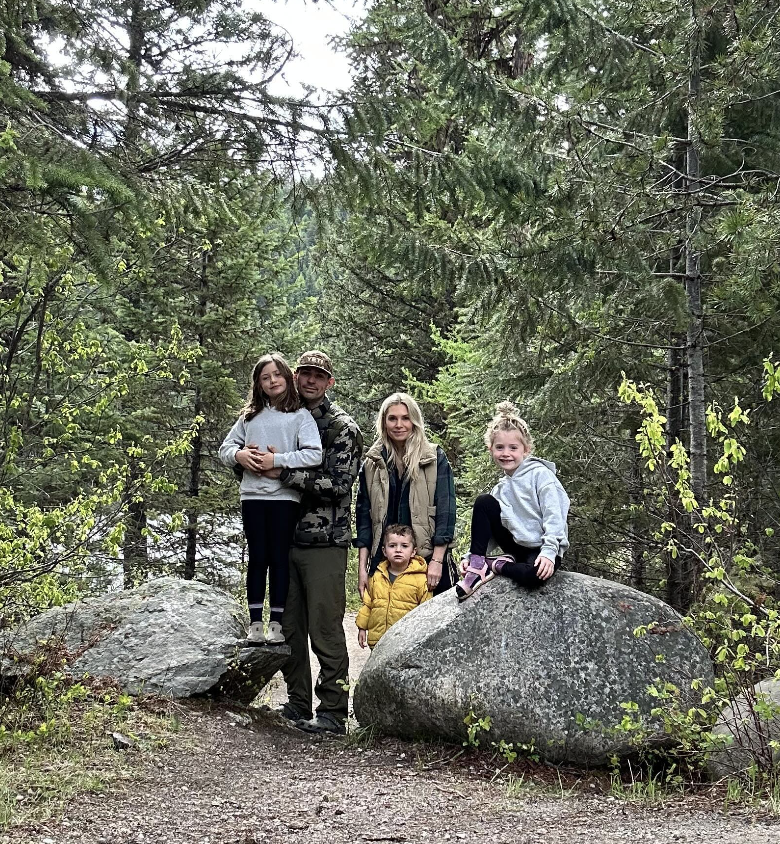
(172, 637)
(537, 663)
(746, 728)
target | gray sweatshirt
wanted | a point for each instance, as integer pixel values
(534, 507)
(297, 440)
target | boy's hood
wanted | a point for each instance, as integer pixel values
(416, 564)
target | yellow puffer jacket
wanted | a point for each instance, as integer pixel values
(384, 603)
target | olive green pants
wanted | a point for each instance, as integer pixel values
(314, 610)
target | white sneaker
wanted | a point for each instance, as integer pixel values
(275, 635)
(255, 633)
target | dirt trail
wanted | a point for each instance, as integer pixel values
(275, 694)
(229, 779)
(223, 783)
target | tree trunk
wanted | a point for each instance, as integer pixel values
(135, 550)
(675, 423)
(635, 499)
(192, 492)
(697, 429)
(136, 34)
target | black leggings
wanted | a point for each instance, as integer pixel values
(269, 528)
(486, 526)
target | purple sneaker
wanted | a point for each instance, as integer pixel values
(477, 573)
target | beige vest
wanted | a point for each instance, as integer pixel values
(422, 497)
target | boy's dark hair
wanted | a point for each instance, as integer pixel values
(400, 530)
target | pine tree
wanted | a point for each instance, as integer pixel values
(605, 167)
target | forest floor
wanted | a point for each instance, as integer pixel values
(231, 775)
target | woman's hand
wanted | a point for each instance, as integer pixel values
(434, 574)
(362, 570)
(362, 580)
(544, 567)
(362, 638)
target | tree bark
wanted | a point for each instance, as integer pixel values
(135, 550)
(675, 424)
(193, 490)
(697, 429)
(635, 499)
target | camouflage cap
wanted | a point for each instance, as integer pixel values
(317, 360)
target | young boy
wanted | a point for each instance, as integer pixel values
(399, 584)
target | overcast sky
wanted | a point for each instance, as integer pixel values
(311, 26)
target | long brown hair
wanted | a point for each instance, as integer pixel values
(288, 402)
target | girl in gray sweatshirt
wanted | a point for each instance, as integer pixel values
(273, 432)
(525, 514)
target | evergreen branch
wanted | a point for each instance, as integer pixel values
(624, 38)
(567, 315)
(742, 331)
(751, 100)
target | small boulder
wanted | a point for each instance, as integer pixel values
(171, 637)
(537, 662)
(747, 727)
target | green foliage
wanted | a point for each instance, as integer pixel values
(735, 618)
(55, 737)
(147, 258)
(475, 725)
(515, 184)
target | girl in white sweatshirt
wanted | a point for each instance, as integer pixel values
(525, 514)
(273, 432)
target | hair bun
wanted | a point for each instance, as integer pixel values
(506, 410)
(507, 418)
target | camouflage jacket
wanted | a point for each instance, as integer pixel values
(327, 489)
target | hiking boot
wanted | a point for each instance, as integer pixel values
(274, 636)
(255, 636)
(478, 572)
(323, 722)
(292, 713)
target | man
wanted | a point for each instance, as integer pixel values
(316, 600)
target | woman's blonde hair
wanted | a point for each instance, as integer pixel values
(408, 463)
(507, 418)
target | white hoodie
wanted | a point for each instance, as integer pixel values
(534, 507)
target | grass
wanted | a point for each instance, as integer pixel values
(55, 741)
(356, 736)
(34, 787)
(755, 790)
(645, 788)
(353, 599)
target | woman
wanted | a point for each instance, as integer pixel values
(406, 480)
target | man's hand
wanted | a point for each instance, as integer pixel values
(274, 474)
(544, 567)
(249, 458)
(362, 638)
(265, 460)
